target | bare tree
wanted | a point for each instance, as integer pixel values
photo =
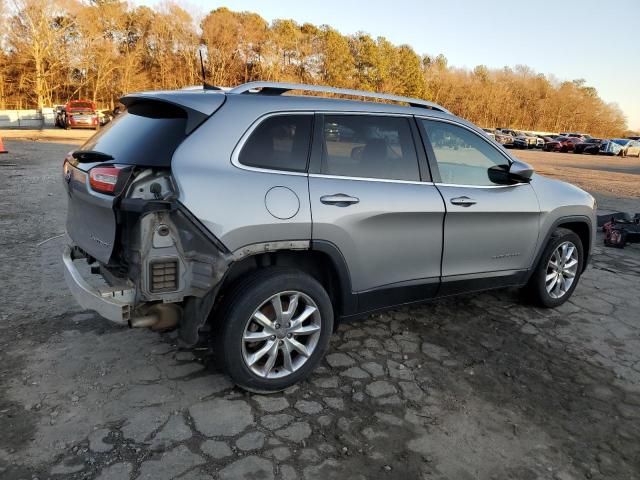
(53, 50)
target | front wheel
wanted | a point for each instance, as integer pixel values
(558, 271)
(274, 329)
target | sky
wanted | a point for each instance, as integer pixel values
(596, 40)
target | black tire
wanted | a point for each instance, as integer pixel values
(535, 289)
(238, 307)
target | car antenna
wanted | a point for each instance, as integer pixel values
(205, 85)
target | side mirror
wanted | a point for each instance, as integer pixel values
(517, 172)
(521, 171)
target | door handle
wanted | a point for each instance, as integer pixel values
(463, 201)
(339, 200)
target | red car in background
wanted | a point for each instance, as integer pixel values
(81, 114)
(562, 144)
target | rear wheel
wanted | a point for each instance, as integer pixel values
(558, 270)
(274, 329)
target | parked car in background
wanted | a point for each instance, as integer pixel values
(530, 141)
(491, 133)
(632, 148)
(590, 145)
(609, 147)
(625, 144)
(583, 136)
(539, 141)
(519, 139)
(243, 220)
(634, 138)
(104, 117)
(504, 139)
(562, 144)
(81, 114)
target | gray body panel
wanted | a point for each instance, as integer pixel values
(91, 220)
(393, 234)
(209, 183)
(559, 200)
(230, 200)
(383, 242)
(499, 232)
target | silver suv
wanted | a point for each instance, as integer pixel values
(257, 221)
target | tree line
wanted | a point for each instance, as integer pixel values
(55, 50)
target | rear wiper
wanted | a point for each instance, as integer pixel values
(90, 156)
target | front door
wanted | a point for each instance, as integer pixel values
(490, 229)
(368, 199)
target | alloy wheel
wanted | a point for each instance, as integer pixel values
(561, 270)
(281, 335)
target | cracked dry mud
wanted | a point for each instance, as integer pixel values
(480, 386)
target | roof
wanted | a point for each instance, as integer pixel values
(206, 101)
(279, 88)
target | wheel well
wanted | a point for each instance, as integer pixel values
(583, 231)
(317, 264)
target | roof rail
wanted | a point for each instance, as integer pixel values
(278, 88)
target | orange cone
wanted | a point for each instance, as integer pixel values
(2, 149)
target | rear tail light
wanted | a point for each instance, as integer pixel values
(104, 179)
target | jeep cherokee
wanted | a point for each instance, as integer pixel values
(257, 220)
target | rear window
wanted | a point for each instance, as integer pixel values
(80, 104)
(146, 134)
(280, 142)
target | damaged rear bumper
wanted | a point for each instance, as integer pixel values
(114, 303)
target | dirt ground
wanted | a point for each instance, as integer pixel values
(477, 387)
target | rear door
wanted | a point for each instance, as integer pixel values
(490, 229)
(372, 198)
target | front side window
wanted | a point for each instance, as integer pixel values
(463, 157)
(280, 142)
(369, 146)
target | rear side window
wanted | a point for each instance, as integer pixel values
(280, 142)
(146, 134)
(369, 146)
